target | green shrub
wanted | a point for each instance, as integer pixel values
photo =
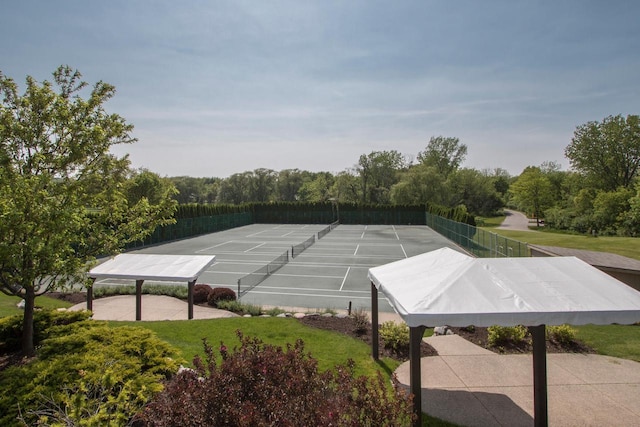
(11, 326)
(395, 335)
(240, 308)
(220, 294)
(201, 293)
(87, 373)
(260, 384)
(562, 334)
(504, 335)
(175, 291)
(361, 321)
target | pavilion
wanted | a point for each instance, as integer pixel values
(447, 287)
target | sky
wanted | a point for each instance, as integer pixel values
(215, 88)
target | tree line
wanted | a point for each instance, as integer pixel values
(600, 195)
(380, 177)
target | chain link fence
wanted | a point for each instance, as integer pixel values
(482, 243)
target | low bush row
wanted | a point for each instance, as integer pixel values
(85, 373)
(258, 384)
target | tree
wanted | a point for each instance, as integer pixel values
(419, 184)
(318, 189)
(62, 201)
(378, 172)
(446, 154)
(149, 185)
(607, 152)
(235, 188)
(474, 190)
(532, 192)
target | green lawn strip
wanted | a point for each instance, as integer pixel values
(625, 246)
(8, 304)
(328, 348)
(494, 221)
(612, 340)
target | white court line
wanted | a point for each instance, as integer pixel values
(259, 232)
(396, 233)
(364, 232)
(306, 276)
(216, 246)
(356, 251)
(403, 251)
(311, 289)
(344, 279)
(255, 247)
(309, 295)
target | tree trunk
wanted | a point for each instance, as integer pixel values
(28, 348)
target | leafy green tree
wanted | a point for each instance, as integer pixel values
(318, 189)
(262, 185)
(420, 184)
(378, 171)
(607, 152)
(149, 185)
(289, 183)
(632, 217)
(61, 192)
(234, 189)
(346, 188)
(446, 154)
(532, 192)
(473, 189)
(195, 190)
(610, 208)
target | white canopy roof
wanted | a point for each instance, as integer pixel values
(446, 287)
(179, 268)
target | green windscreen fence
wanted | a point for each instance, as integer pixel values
(482, 243)
(189, 227)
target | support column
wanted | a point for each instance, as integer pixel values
(139, 299)
(90, 294)
(415, 374)
(374, 322)
(541, 416)
(190, 297)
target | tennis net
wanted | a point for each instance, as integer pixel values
(327, 229)
(251, 280)
(300, 247)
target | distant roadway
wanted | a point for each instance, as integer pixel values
(515, 221)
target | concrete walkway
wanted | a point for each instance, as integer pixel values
(154, 307)
(471, 386)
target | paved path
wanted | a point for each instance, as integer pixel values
(515, 221)
(154, 307)
(471, 386)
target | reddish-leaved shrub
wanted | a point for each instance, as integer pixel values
(201, 293)
(220, 294)
(259, 384)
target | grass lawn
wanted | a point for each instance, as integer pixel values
(329, 348)
(612, 340)
(8, 304)
(625, 246)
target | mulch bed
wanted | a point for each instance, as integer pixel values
(480, 337)
(347, 326)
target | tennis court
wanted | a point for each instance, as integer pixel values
(329, 273)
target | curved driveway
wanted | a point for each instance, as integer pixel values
(515, 221)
